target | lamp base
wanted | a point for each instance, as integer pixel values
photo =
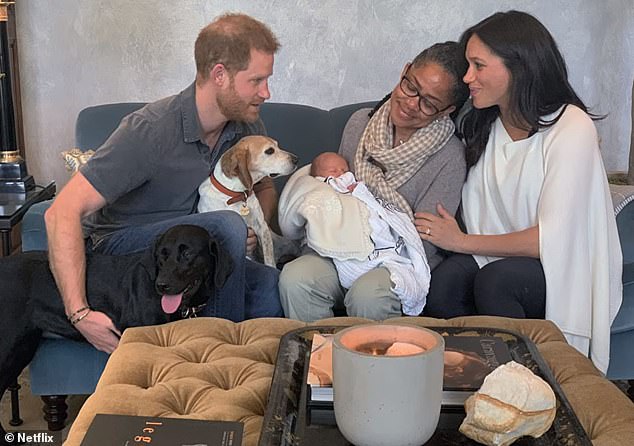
(16, 186)
(14, 176)
(13, 170)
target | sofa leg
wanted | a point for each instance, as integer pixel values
(15, 404)
(55, 411)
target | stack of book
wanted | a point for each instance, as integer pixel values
(468, 360)
(130, 430)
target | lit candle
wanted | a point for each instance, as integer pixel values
(403, 348)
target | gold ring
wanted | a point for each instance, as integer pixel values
(428, 231)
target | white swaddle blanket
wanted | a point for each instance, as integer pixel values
(358, 233)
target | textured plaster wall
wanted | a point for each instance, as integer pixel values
(77, 53)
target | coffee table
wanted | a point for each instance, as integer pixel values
(215, 369)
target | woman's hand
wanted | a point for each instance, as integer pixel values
(442, 230)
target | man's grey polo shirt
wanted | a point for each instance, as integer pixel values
(150, 168)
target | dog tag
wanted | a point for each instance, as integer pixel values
(244, 210)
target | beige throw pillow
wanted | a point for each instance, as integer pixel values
(75, 158)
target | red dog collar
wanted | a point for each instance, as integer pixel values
(234, 196)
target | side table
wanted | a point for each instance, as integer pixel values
(14, 206)
(12, 209)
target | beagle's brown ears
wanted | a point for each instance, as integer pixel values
(235, 163)
(243, 170)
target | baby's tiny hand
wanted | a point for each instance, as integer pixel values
(352, 186)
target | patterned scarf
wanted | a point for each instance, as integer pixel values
(384, 169)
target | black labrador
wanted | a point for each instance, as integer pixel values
(175, 278)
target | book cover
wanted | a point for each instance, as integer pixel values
(320, 368)
(468, 360)
(130, 430)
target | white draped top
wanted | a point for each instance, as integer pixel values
(556, 179)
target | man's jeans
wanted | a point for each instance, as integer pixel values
(250, 290)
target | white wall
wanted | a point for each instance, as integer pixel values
(76, 53)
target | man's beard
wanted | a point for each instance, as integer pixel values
(233, 107)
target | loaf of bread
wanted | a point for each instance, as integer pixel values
(512, 402)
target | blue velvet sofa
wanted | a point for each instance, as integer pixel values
(62, 367)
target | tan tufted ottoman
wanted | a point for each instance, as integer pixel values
(216, 369)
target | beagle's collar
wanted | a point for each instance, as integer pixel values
(233, 195)
(190, 312)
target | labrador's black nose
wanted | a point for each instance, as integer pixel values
(162, 287)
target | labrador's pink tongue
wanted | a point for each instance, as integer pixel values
(170, 303)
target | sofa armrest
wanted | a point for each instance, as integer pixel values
(623, 201)
(33, 227)
(622, 329)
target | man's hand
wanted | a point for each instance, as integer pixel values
(99, 330)
(252, 241)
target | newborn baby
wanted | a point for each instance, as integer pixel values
(333, 169)
(347, 223)
(391, 250)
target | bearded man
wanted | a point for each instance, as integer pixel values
(144, 179)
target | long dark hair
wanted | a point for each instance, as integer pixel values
(450, 57)
(539, 79)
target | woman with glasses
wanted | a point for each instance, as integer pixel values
(406, 153)
(541, 238)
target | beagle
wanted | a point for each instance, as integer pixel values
(230, 186)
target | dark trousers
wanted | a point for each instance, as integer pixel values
(511, 287)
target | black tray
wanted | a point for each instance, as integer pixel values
(288, 421)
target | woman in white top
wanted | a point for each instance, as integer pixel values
(541, 237)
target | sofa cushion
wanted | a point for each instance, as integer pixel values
(216, 369)
(299, 129)
(95, 124)
(306, 131)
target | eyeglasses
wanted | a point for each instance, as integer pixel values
(424, 105)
